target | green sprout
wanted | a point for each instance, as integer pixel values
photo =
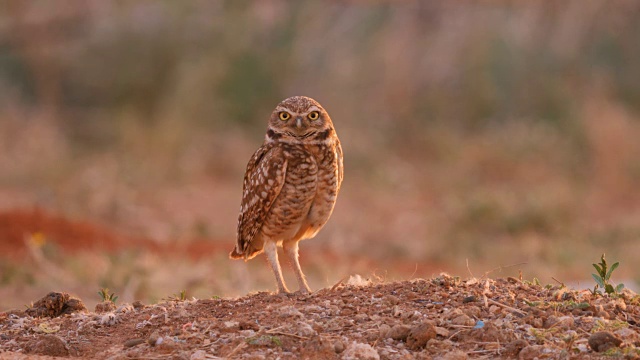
(181, 296)
(105, 296)
(602, 278)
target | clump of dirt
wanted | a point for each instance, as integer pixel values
(55, 304)
(603, 341)
(104, 307)
(51, 345)
(443, 317)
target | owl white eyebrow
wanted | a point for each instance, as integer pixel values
(313, 108)
(280, 109)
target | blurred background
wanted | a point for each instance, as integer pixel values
(492, 137)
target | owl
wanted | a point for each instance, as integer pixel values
(290, 186)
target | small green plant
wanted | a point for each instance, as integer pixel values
(264, 340)
(603, 276)
(105, 296)
(181, 296)
(609, 325)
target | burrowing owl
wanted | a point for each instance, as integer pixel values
(290, 186)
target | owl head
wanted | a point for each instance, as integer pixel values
(299, 118)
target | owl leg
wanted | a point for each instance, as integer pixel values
(291, 249)
(271, 250)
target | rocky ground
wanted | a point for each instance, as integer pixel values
(443, 317)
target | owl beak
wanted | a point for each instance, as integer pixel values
(299, 122)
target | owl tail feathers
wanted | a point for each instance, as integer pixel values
(245, 255)
(235, 255)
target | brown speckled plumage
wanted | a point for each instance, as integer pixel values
(290, 186)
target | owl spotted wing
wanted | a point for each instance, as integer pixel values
(263, 181)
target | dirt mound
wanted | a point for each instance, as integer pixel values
(55, 304)
(437, 318)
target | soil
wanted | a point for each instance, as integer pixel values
(443, 317)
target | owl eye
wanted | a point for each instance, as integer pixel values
(314, 115)
(284, 116)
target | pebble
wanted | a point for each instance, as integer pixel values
(399, 332)
(463, 319)
(359, 351)
(420, 335)
(50, 345)
(154, 338)
(603, 341)
(198, 355)
(133, 342)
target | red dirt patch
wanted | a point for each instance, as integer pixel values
(20, 225)
(16, 226)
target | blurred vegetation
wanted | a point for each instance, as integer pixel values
(401, 66)
(497, 131)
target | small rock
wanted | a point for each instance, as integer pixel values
(536, 322)
(198, 355)
(627, 335)
(109, 319)
(514, 347)
(384, 330)
(105, 306)
(620, 305)
(231, 324)
(359, 351)
(399, 332)
(533, 352)
(290, 312)
(436, 346)
(391, 300)
(304, 329)
(562, 322)
(491, 333)
(338, 346)
(420, 335)
(472, 311)
(357, 280)
(493, 346)
(440, 331)
(603, 341)
(315, 348)
(154, 338)
(138, 305)
(248, 325)
(463, 319)
(50, 345)
(166, 344)
(468, 299)
(454, 355)
(133, 342)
